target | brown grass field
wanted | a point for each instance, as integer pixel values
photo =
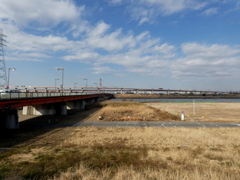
(132, 111)
(150, 153)
(222, 112)
(128, 153)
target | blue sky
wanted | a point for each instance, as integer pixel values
(173, 44)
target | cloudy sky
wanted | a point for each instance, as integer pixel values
(171, 44)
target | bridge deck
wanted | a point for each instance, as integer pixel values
(15, 100)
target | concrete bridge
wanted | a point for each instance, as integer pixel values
(42, 103)
(119, 90)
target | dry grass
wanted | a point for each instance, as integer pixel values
(133, 111)
(127, 153)
(130, 153)
(170, 153)
(159, 153)
(222, 112)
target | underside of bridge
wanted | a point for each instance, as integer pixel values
(9, 114)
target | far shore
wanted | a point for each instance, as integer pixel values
(175, 96)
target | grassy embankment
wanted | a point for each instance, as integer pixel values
(128, 153)
(132, 111)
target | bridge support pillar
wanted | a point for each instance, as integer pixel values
(73, 104)
(61, 108)
(46, 109)
(77, 104)
(91, 101)
(82, 104)
(9, 119)
(42, 109)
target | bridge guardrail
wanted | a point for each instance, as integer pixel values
(22, 95)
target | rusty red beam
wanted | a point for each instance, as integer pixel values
(15, 103)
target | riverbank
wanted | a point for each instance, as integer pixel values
(175, 96)
(123, 110)
(120, 153)
(204, 112)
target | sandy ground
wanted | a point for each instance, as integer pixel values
(223, 112)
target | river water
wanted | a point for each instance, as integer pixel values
(182, 100)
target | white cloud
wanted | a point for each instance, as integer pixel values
(28, 47)
(146, 11)
(173, 6)
(47, 13)
(136, 53)
(208, 52)
(103, 70)
(100, 29)
(114, 2)
(82, 57)
(112, 41)
(210, 12)
(21, 41)
(213, 61)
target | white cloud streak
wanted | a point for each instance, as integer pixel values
(210, 11)
(146, 11)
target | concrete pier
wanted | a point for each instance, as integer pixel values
(78, 105)
(46, 109)
(9, 119)
(56, 108)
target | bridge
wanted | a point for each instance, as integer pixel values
(55, 101)
(121, 90)
(43, 103)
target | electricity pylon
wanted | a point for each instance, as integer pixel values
(3, 74)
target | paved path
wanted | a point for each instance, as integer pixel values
(143, 124)
(157, 124)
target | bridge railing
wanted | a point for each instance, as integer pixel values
(22, 95)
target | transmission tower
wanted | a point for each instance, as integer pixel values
(3, 75)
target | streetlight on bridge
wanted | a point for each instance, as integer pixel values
(86, 82)
(56, 83)
(62, 77)
(75, 85)
(9, 69)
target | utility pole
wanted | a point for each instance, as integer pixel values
(86, 82)
(62, 69)
(100, 83)
(3, 74)
(56, 83)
